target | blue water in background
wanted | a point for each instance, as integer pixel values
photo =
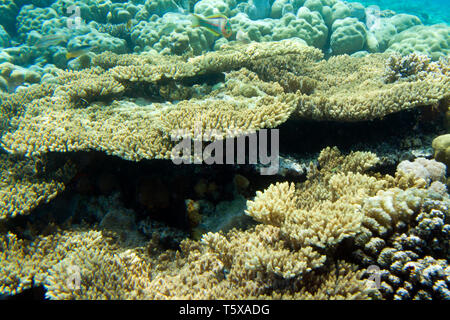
(429, 11)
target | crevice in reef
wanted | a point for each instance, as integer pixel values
(392, 138)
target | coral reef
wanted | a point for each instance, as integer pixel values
(289, 255)
(170, 35)
(8, 12)
(97, 96)
(414, 263)
(334, 26)
(441, 146)
(348, 36)
(13, 76)
(307, 88)
(27, 183)
(432, 41)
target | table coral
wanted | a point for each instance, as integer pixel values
(95, 99)
(25, 184)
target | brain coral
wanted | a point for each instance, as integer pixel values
(31, 18)
(433, 41)
(171, 34)
(347, 36)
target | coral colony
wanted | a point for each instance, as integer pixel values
(224, 149)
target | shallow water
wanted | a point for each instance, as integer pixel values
(284, 149)
(429, 11)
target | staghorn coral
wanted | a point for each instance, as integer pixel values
(25, 263)
(81, 264)
(339, 201)
(103, 275)
(325, 209)
(27, 183)
(239, 264)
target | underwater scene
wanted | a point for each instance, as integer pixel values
(224, 149)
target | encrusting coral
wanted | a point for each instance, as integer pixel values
(314, 232)
(95, 109)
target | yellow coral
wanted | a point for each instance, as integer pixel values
(24, 184)
(265, 84)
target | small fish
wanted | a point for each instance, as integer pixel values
(50, 40)
(217, 24)
(129, 24)
(75, 53)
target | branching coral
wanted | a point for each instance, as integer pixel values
(413, 67)
(325, 210)
(25, 184)
(97, 108)
(25, 263)
(413, 262)
(340, 281)
(103, 275)
(289, 255)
